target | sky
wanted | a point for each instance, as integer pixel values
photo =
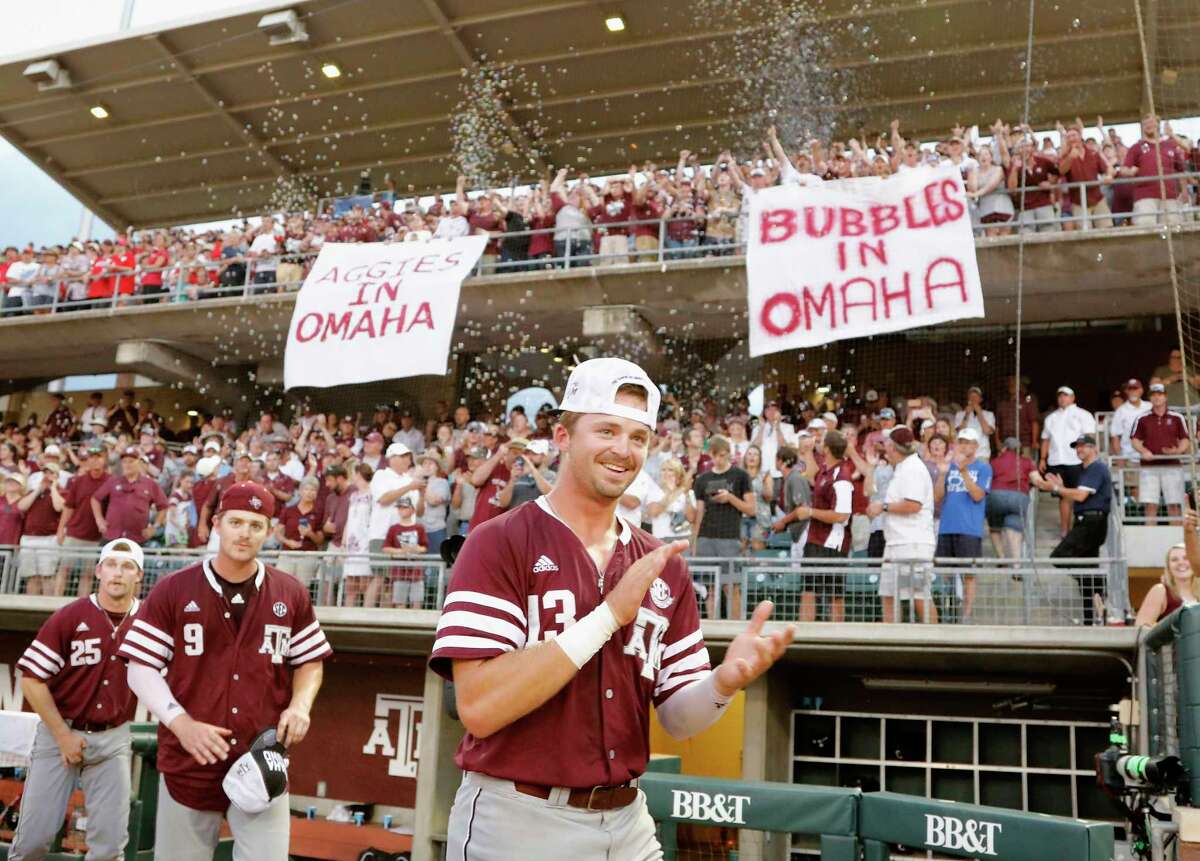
(49, 214)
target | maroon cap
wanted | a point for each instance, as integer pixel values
(248, 496)
(902, 436)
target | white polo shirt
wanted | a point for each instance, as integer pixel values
(910, 480)
(1062, 427)
(646, 490)
(1122, 423)
(383, 482)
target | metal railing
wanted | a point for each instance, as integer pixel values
(572, 252)
(1042, 592)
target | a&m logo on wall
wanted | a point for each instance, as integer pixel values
(396, 733)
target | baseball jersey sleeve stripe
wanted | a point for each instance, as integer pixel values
(162, 636)
(48, 653)
(320, 650)
(683, 645)
(483, 625)
(680, 681)
(303, 644)
(149, 645)
(300, 635)
(26, 664)
(454, 642)
(687, 662)
(482, 599)
(141, 657)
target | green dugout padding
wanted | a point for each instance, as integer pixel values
(972, 831)
(848, 818)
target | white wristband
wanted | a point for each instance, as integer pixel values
(588, 636)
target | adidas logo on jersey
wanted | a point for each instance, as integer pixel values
(192, 607)
(238, 599)
(82, 626)
(544, 564)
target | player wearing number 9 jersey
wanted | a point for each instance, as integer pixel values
(561, 624)
(241, 649)
(71, 677)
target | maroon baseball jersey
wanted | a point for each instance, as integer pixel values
(128, 509)
(833, 491)
(75, 654)
(523, 578)
(78, 497)
(234, 677)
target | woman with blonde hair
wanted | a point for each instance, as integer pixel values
(1174, 590)
(671, 517)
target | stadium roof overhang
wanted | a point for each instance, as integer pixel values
(206, 119)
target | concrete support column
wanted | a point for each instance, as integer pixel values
(437, 775)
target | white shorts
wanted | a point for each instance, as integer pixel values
(410, 592)
(39, 556)
(900, 577)
(1164, 482)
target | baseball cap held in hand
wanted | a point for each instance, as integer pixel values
(592, 388)
(258, 776)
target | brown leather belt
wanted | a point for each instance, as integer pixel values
(595, 798)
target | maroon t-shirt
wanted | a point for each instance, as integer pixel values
(1152, 161)
(75, 654)
(1158, 432)
(78, 497)
(487, 504)
(1038, 170)
(281, 482)
(41, 519)
(520, 580)
(128, 509)
(648, 211)
(1010, 472)
(543, 242)
(489, 222)
(400, 535)
(833, 490)
(611, 210)
(12, 521)
(292, 517)
(1089, 168)
(239, 677)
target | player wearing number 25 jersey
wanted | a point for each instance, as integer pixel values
(72, 678)
(562, 624)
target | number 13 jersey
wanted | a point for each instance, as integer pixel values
(522, 579)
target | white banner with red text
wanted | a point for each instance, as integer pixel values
(376, 311)
(877, 255)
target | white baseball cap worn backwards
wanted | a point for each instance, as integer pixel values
(592, 388)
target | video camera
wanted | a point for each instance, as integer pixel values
(1136, 783)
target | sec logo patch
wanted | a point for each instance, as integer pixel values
(280, 609)
(660, 594)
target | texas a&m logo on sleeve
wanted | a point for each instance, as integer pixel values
(276, 641)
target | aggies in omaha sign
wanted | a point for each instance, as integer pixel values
(858, 258)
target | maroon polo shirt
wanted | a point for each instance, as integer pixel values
(74, 654)
(487, 504)
(1158, 432)
(520, 580)
(81, 524)
(1039, 170)
(337, 506)
(1086, 168)
(282, 483)
(128, 509)
(12, 520)
(1152, 161)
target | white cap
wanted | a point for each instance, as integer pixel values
(52, 451)
(592, 388)
(969, 434)
(817, 424)
(830, 417)
(538, 446)
(397, 449)
(212, 445)
(1065, 390)
(127, 550)
(206, 466)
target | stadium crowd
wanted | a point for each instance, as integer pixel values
(806, 478)
(1012, 179)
